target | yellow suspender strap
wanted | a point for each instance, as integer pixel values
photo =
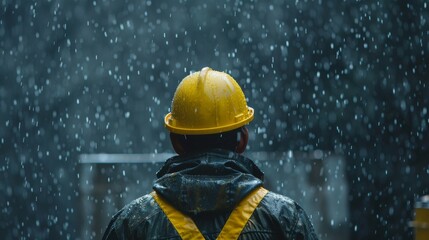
(241, 214)
(182, 223)
(233, 226)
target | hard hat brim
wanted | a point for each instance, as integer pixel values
(204, 131)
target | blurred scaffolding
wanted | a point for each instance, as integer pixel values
(316, 180)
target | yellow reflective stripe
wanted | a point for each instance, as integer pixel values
(233, 227)
(241, 214)
(182, 223)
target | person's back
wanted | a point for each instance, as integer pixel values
(210, 191)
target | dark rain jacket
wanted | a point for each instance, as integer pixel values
(206, 187)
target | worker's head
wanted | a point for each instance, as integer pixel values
(209, 110)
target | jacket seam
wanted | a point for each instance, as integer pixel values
(295, 223)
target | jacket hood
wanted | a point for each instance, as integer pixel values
(209, 181)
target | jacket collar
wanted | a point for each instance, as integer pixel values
(207, 181)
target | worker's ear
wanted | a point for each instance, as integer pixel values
(177, 144)
(244, 138)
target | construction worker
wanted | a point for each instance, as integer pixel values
(210, 191)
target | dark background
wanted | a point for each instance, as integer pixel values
(350, 77)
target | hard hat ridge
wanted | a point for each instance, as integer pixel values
(203, 74)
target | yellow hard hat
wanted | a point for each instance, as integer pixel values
(208, 102)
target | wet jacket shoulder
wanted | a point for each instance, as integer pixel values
(288, 215)
(137, 220)
(207, 187)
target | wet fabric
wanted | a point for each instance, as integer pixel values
(207, 186)
(237, 220)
